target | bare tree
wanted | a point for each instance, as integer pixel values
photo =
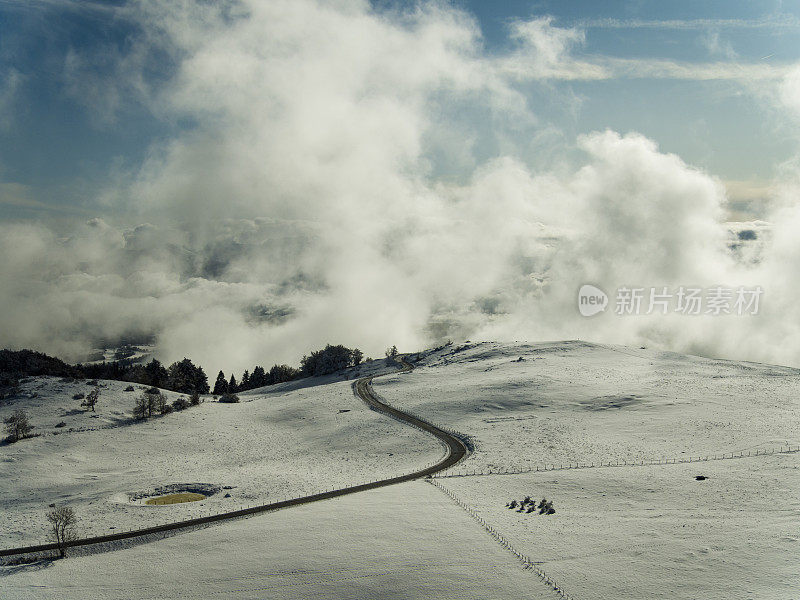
(149, 402)
(17, 425)
(140, 409)
(91, 399)
(160, 403)
(62, 527)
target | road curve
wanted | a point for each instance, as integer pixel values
(456, 450)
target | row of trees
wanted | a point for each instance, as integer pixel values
(182, 376)
(258, 378)
(329, 360)
(320, 362)
(30, 363)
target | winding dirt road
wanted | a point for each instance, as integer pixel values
(456, 451)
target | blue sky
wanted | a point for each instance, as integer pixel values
(715, 125)
(58, 150)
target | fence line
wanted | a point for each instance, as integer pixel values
(618, 463)
(526, 561)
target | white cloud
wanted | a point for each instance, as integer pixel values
(774, 22)
(545, 52)
(304, 208)
(669, 69)
(790, 91)
(717, 45)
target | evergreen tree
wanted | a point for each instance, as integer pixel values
(155, 374)
(200, 381)
(281, 373)
(232, 387)
(184, 377)
(328, 360)
(258, 378)
(220, 385)
(245, 383)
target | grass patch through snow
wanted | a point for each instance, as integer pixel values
(176, 498)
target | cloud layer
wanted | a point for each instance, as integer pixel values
(335, 186)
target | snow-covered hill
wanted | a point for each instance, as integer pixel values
(536, 404)
(630, 531)
(618, 532)
(281, 441)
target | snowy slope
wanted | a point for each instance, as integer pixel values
(407, 541)
(279, 442)
(630, 531)
(618, 533)
(576, 401)
(655, 531)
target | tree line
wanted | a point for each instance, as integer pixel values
(258, 378)
(320, 362)
(181, 376)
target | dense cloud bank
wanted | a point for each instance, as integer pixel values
(366, 179)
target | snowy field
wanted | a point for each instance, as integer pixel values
(574, 401)
(408, 541)
(631, 531)
(279, 442)
(624, 532)
(656, 531)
